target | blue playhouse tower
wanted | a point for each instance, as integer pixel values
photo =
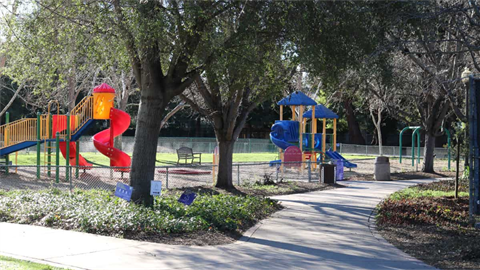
(286, 133)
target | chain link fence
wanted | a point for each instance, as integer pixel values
(182, 176)
(391, 151)
(97, 177)
(207, 145)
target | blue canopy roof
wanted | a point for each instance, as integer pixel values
(297, 98)
(321, 112)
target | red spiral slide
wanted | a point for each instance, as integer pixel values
(103, 141)
(59, 124)
(73, 155)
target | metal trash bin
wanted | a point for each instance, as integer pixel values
(382, 169)
(328, 173)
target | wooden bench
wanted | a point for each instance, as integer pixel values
(186, 154)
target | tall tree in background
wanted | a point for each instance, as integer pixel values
(431, 60)
(331, 39)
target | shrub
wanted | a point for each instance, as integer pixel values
(100, 212)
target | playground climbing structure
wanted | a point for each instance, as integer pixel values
(62, 132)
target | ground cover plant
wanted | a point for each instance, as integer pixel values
(217, 217)
(7, 263)
(427, 222)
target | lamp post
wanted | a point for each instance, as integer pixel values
(465, 80)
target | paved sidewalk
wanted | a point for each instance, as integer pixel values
(318, 230)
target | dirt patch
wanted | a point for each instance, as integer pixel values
(201, 238)
(285, 188)
(441, 247)
(282, 188)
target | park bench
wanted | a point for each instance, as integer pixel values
(186, 154)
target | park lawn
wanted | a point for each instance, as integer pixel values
(7, 263)
(162, 158)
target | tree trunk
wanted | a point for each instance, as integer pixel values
(224, 176)
(354, 133)
(428, 153)
(379, 132)
(117, 143)
(198, 127)
(378, 129)
(457, 171)
(152, 106)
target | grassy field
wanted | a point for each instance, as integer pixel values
(7, 263)
(163, 158)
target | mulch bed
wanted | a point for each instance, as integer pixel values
(443, 248)
(200, 238)
(435, 230)
(282, 188)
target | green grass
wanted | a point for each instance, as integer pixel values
(7, 263)
(164, 158)
(415, 192)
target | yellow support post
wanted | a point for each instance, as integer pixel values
(280, 150)
(334, 134)
(324, 137)
(300, 141)
(313, 131)
(293, 113)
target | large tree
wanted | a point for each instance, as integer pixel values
(430, 59)
(229, 90)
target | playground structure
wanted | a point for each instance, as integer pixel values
(286, 133)
(62, 132)
(416, 131)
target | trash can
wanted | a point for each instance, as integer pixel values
(328, 173)
(339, 170)
(382, 168)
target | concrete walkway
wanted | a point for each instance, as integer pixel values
(318, 230)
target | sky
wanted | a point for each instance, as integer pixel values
(25, 6)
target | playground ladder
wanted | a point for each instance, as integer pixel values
(47, 156)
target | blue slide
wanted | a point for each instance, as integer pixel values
(334, 155)
(285, 134)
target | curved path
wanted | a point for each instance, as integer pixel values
(318, 230)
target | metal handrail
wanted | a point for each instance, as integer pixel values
(23, 130)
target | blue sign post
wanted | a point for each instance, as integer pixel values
(124, 191)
